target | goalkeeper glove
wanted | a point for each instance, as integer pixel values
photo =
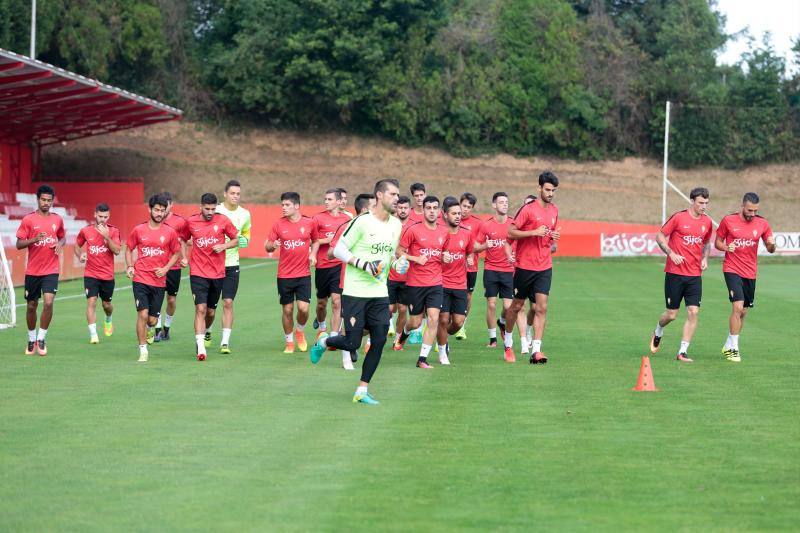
(373, 268)
(243, 242)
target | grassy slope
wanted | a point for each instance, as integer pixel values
(91, 440)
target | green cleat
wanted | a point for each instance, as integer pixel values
(732, 355)
(207, 339)
(365, 398)
(461, 334)
(318, 349)
(151, 336)
(224, 348)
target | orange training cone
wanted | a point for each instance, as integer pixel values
(646, 381)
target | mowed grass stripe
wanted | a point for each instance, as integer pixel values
(261, 440)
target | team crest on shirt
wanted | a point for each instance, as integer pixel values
(703, 229)
(302, 230)
(54, 227)
(441, 240)
(461, 244)
(554, 221)
(216, 228)
(161, 239)
(755, 233)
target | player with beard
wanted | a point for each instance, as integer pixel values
(534, 228)
(103, 243)
(458, 248)
(738, 235)
(422, 245)
(42, 233)
(473, 225)
(207, 231)
(367, 247)
(397, 282)
(327, 271)
(689, 233)
(157, 249)
(177, 223)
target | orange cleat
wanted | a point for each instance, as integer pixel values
(509, 355)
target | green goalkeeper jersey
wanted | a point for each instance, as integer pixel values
(241, 219)
(370, 239)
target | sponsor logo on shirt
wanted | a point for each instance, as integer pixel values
(430, 252)
(457, 256)
(204, 242)
(495, 243)
(381, 248)
(97, 250)
(152, 251)
(692, 239)
(292, 244)
(744, 243)
(47, 241)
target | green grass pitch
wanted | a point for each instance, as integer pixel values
(90, 440)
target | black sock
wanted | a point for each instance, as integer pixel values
(166, 329)
(158, 330)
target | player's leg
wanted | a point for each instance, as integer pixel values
(433, 304)
(212, 301)
(416, 308)
(442, 331)
(491, 320)
(106, 294)
(692, 295)
(336, 307)
(49, 289)
(376, 319)
(287, 312)
(321, 313)
(539, 322)
(91, 319)
(353, 308)
(303, 302)
(529, 325)
(142, 297)
(472, 278)
(32, 295)
(673, 292)
(522, 324)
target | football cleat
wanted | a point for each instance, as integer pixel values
(443, 359)
(201, 357)
(732, 355)
(300, 339)
(461, 334)
(151, 336)
(684, 358)
(422, 363)
(509, 355)
(315, 324)
(502, 328)
(347, 364)
(397, 347)
(143, 357)
(165, 335)
(538, 358)
(224, 348)
(354, 356)
(289, 348)
(31, 348)
(108, 328)
(207, 339)
(365, 398)
(392, 331)
(157, 338)
(41, 347)
(94, 339)
(318, 350)
(655, 343)
(492, 343)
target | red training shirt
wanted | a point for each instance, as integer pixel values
(99, 257)
(687, 237)
(414, 217)
(419, 240)
(295, 244)
(495, 235)
(745, 235)
(42, 258)
(178, 223)
(324, 227)
(336, 235)
(473, 225)
(454, 273)
(205, 262)
(154, 249)
(533, 253)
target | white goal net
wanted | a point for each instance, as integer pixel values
(8, 308)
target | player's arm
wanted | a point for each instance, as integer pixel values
(79, 242)
(112, 244)
(661, 240)
(403, 251)
(23, 242)
(271, 242)
(769, 240)
(231, 233)
(245, 234)
(342, 252)
(515, 233)
(129, 260)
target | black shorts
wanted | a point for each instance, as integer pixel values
(173, 282)
(230, 285)
(326, 280)
(454, 301)
(206, 290)
(422, 298)
(398, 292)
(365, 313)
(93, 287)
(472, 279)
(687, 288)
(496, 283)
(529, 283)
(740, 289)
(148, 297)
(291, 289)
(35, 286)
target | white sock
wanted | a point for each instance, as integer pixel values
(42, 334)
(299, 327)
(93, 329)
(659, 330)
(523, 341)
(360, 390)
(728, 343)
(208, 329)
(529, 333)
(735, 342)
(31, 335)
(167, 320)
(503, 320)
(536, 346)
(684, 347)
(226, 336)
(289, 337)
(323, 326)
(345, 356)
(424, 350)
(508, 340)
(158, 324)
(492, 333)
(442, 349)
(142, 349)
(334, 333)
(201, 343)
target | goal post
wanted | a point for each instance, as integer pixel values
(8, 304)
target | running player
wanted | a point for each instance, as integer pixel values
(326, 274)
(230, 286)
(417, 213)
(422, 244)
(458, 248)
(689, 233)
(157, 250)
(102, 242)
(498, 266)
(738, 235)
(208, 231)
(397, 282)
(292, 234)
(473, 225)
(177, 223)
(534, 228)
(42, 233)
(367, 247)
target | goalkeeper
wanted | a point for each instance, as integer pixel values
(367, 248)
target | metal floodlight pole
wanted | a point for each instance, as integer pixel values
(666, 162)
(33, 29)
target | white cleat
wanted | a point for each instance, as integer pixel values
(443, 360)
(143, 357)
(347, 364)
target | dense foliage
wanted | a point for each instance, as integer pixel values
(573, 78)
